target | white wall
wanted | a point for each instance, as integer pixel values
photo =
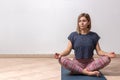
(42, 26)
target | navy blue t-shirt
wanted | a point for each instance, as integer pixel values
(84, 44)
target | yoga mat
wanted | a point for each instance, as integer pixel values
(65, 75)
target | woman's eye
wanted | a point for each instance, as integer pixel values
(84, 20)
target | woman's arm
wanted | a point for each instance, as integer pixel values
(102, 53)
(66, 51)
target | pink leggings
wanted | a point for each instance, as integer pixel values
(77, 65)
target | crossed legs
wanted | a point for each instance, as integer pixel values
(90, 68)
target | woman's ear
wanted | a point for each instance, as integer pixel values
(89, 23)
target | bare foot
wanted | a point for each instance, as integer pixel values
(91, 73)
(94, 73)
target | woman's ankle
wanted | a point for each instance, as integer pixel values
(91, 73)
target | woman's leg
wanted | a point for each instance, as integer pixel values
(76, 67)
(99, 63)
(70, 65)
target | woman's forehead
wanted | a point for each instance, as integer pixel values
(83, 18)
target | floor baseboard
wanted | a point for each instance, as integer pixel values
(35, 55)
(26, 55)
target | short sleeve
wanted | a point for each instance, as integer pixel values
(96, 38)
(71, 37)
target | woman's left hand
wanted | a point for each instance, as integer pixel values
(112, 54)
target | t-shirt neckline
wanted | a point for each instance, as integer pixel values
(86, 33)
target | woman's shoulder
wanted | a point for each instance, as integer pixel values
(74, 33)
(93, 33)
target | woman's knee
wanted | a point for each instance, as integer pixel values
(63, 60)
(106, 59)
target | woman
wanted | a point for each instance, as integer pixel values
(84, 42)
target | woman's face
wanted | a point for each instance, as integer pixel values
(83, 23)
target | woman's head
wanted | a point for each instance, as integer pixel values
(84, 22)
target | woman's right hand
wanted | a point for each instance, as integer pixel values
(57, 56)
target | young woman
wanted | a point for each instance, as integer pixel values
(84, 42)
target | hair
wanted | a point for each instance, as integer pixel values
(86, 15)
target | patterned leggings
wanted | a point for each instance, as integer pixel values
(77, 65)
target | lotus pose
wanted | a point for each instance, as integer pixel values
(84, 42)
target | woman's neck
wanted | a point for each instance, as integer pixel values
(84, 31)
